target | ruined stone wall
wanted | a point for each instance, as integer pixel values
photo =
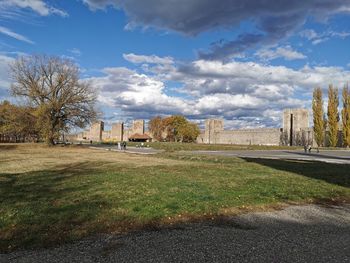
(138, 126)
(300, 138)
(117, 132)
(96, 131)
(295, 131)
(127, 134)
(106, 135)
(201, 137)
(212, 127)
(299, 119)
(249, 137)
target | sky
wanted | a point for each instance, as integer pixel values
(242, 61)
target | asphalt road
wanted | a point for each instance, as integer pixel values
(336, 156)
(296, 234)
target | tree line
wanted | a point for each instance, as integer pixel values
(327, 126)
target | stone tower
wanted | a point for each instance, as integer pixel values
(138, 126)
(117, 132)
(96, 131)
(295, 122)
(212, 128)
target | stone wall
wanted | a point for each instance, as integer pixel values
(294, 122)
(295, 131)
(138, 126)
(106, 135)
(117, 132)
(96, 131)
(249, 137)
(212, 128)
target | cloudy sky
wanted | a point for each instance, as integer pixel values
(244, 61)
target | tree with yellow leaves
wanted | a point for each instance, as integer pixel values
(346, 116)
(333, 115)
(317, 108)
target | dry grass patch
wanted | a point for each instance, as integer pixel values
(20, 158)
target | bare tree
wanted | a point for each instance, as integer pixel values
(52, 86)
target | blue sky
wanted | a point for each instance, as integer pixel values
(243, 61)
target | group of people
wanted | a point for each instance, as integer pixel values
(121, 145)
(308, 148)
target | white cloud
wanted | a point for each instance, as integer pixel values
(75, 52)
(341, 35)
(281, 52)
(137, 59)
(309, 34)
(136, 93)
(38, 6)
(246, 94)
(210, 77)
(5, 81)
(317, 38)
(14, 35)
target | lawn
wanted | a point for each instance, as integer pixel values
(177, 146)
(54, 195)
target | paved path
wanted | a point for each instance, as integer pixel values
(297, 234)
(336, 156)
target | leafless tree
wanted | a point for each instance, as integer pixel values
(52, 86)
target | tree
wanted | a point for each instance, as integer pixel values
(18, 122)
(189, 132)
(156, 127)
(52, 86)
(333, 115)
(176, 128)
(172, 126)
(317, 108)
(346, 116)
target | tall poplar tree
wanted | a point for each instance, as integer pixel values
(317, 108)
(346, 116)
(333, 115)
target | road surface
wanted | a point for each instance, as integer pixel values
(296, 234)
(336, 156)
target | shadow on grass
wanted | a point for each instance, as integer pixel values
(6, 147)
(337, 174)
(44, 207)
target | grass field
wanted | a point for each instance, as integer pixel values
(59, 194)
(176, 146)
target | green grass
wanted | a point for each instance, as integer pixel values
(63, 194)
